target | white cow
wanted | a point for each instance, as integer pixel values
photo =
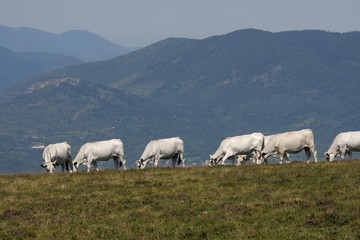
(57, 154)
(241, 158)
(289, 142)
(239, 145)
(168, 148)
(344, 143)
(92, 152)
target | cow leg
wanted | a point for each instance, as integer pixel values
(239, 160)
(62, 167)
(350, 154)
(116, 162)
(96, 166)
(67, 165)
(234, 160)
(342, 153)
(119, 161)
(313, 151)
(308, 154)
(224, 158)
(156, 161)
(122, 162)
(254, 156)
(174, 159)
(71, 165)
(88, 164)
(181, 159)
(286, 156)
(281, 155)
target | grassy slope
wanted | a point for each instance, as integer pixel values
(294, 201)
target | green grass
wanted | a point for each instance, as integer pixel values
(293, 201)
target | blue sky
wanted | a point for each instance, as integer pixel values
(142, 22)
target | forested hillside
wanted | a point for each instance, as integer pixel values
(201, 90)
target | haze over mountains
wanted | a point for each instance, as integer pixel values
(81, 44)
(201, 90)
(25, 52)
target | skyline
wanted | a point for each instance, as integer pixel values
(141, 23)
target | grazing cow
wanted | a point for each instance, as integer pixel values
(55, 155)
(92, 152)
(289, 142)
(241, 158)
(168, 148)
(344, 143)
(239, 145)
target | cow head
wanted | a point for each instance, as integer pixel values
(140, 163)
(213, 160)
(75, 166)
(77, 162)
(262, 158)
(330, 156)
(50, 166)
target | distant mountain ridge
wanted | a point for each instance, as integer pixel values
(81, 44)
(18, 66)
(201, 90)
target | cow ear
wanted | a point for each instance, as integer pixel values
(326, 154)
(43, 165)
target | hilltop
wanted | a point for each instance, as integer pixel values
(292, 201)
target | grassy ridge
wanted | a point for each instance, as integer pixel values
(294, 201)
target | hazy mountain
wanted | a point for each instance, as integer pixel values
(81, 44)
(18, 66)
(202, 90)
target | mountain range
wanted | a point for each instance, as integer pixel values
(201, 90)
(80, 44)
(25, 52)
